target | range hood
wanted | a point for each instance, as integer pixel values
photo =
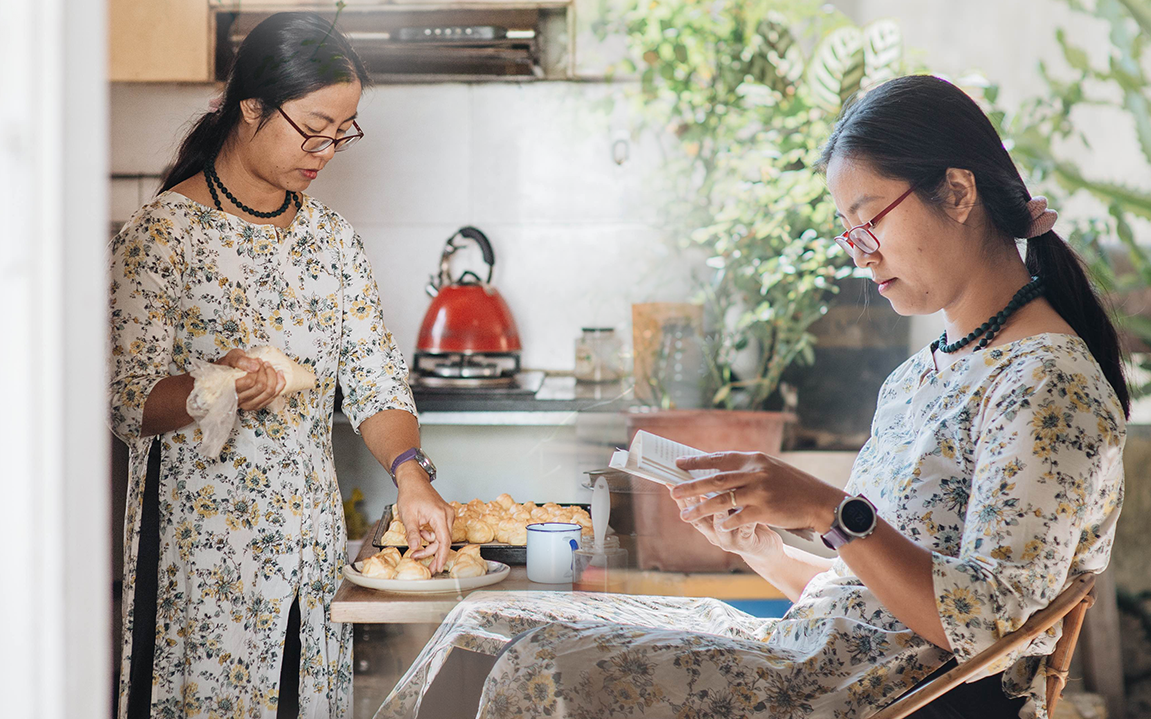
(465, 40)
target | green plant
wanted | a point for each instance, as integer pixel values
(749, 90)
(1039, 130)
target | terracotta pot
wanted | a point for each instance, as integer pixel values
(663, 540)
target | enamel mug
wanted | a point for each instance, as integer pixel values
(551, 547)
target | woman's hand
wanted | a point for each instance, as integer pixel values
(260, 386)
(761, 488)
(753, 540)
(426, 516)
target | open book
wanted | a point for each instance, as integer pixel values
(652, 457)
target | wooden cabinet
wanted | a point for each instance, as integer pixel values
(160, 41)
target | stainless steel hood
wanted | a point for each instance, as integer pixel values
(465, 40)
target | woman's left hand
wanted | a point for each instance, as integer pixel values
(765, 489)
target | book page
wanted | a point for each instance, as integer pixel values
(658, 454)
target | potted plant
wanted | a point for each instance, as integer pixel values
(747, 92)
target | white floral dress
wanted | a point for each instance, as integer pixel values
(244, 534)
(1007, 465)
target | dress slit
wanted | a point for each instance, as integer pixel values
(288, 705)
(144, 596)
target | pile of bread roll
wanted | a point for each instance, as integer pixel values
(503, 520)
(390, 564)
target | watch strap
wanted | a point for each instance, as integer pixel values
(836, 537)
(405, 456)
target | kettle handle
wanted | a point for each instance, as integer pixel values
(444, 278)
(485, 245)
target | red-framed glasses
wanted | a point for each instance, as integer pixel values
(319, 143)
(860, 237)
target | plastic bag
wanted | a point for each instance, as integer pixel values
(213, 403)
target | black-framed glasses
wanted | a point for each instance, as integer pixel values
(861, 237)
(319, 143)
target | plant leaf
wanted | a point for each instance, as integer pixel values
(882, 52)
(836, 69)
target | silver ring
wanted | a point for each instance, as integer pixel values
(731, 495)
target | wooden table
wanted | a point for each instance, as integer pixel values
(361, 605)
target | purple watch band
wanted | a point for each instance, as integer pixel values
(404, 457)
(835, 538)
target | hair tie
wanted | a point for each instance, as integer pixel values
(215, 104)
(1042, 219)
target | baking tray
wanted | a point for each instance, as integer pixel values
(494, 551)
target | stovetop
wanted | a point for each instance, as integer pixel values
(525, 387)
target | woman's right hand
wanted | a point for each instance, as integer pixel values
(260, 386)
(750, 541)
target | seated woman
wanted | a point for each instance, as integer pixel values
(993, 476)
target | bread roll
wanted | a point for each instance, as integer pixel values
(459, 531)
(411, 569)
(505, 500)
(504, 530)
(452, 556)
(391, 555)
(480, 531)
(467, 566)
(296, 376)
(519, 534)
(378, 568)
(470, 549)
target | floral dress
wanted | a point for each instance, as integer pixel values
(1006, 465)
(244, 534)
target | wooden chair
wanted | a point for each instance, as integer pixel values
(1069, 607)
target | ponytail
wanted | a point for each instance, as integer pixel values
(914, 128)
(285, 57)
(201, 145)
(1070, 292)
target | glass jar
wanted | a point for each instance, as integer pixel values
(599, 571)
(598, 355)
(680, 369)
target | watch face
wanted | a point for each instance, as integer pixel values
(857, 516)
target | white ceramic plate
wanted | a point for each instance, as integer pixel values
(497, 572)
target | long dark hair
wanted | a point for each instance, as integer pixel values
(913, 129)
(285, 57)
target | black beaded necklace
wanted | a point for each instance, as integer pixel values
(214, 180)
(1028, 292)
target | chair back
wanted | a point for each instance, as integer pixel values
(1069, 607)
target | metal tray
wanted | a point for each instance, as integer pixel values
(494, 551)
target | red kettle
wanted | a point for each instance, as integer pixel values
(467, 315)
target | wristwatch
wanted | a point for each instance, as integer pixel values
(855, 518)
(421, 459)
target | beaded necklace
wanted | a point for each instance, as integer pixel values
(214, 180)
(1028, 292)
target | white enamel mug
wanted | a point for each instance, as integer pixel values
(551, 547)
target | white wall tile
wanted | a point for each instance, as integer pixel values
(559, 278)
(412, 165)
(148, 121)
(123, 199)
(543, 153)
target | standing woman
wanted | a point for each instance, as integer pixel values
(232, 561)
